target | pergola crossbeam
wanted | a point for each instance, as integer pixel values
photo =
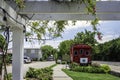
(50, 10)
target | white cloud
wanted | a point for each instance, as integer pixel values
(79, 24)
(36, 44)
(107, 38)
(53, 43)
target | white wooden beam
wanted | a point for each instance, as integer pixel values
(74, 16)
(40, 7)
(11, 13)
(49, 10)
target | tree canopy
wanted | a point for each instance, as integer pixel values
(47, 51)
(86, 37)
(64, 47)
(108, 51)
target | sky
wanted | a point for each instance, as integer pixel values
(109, 29)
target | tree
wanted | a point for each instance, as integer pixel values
(47, 51)
(86, 37)
(55, 53)
(109, 51)
(64, 47)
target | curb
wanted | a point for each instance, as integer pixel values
(115, 73)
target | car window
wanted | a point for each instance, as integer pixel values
(25, 57)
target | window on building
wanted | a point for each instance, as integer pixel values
(87, 52)
(75, 52)
(25, 51)
(32, 51)
(81, 51)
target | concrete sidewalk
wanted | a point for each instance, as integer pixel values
(58, 74)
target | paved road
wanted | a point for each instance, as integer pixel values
(34, 65)
(115, 66)
(109, 63)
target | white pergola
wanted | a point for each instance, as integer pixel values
(48, 10)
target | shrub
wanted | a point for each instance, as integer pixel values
(32, 73)
(64, 62)
(58, 62)
(73, 65)
(106, 68)
(40, 74)
(41, 59)
(34, 59)
(90, 69)
(9, 76)
(80, 68)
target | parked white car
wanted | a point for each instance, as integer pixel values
(27, 59)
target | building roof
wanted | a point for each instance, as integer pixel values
(81, 46)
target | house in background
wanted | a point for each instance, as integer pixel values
(34, 53)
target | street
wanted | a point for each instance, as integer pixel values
(33, 65)
(108, 62)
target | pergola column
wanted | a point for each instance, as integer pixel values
(18, 49)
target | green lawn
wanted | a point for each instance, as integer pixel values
(89, 76)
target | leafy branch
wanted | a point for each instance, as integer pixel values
(46, 29)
